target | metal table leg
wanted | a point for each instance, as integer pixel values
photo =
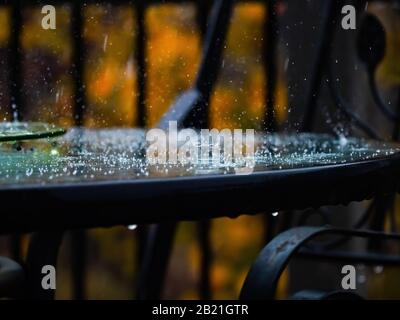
(43, 250)
(155, 262)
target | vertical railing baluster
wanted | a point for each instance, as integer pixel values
(204, 227)
(204, 230)
(15, 62)
(16, 104)
(202, 11)
(78, 245)
(325, 36)
(213, 47)
(140, 55)
(396, 127)
(141, 62)
(269, 53)
(77, 26)
(78, 239)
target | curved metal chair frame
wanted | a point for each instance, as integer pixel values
(320, 295)
(262, 279)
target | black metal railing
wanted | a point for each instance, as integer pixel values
(78, 61)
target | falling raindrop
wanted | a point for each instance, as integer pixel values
(286, 64)
(15, 112)
(378, 269)
(361, 278)
(342, 140)
(105, 42)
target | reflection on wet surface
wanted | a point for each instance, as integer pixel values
(119, 154)
(24, 130)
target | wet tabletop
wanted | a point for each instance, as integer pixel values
(84, 155)
(17, 131)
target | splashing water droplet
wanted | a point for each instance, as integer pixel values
(361, 278)
(15, 112)
(29, 172)
(378, 269)
(105, 42)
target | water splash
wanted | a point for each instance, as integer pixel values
(119, 154)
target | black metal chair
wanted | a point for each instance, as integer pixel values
(370, 46)
(12, 278)
(262, 279)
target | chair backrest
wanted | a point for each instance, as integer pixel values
(191, 108)
(370, 49)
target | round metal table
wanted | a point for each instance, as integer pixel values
(101, 178)
(93, 178)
